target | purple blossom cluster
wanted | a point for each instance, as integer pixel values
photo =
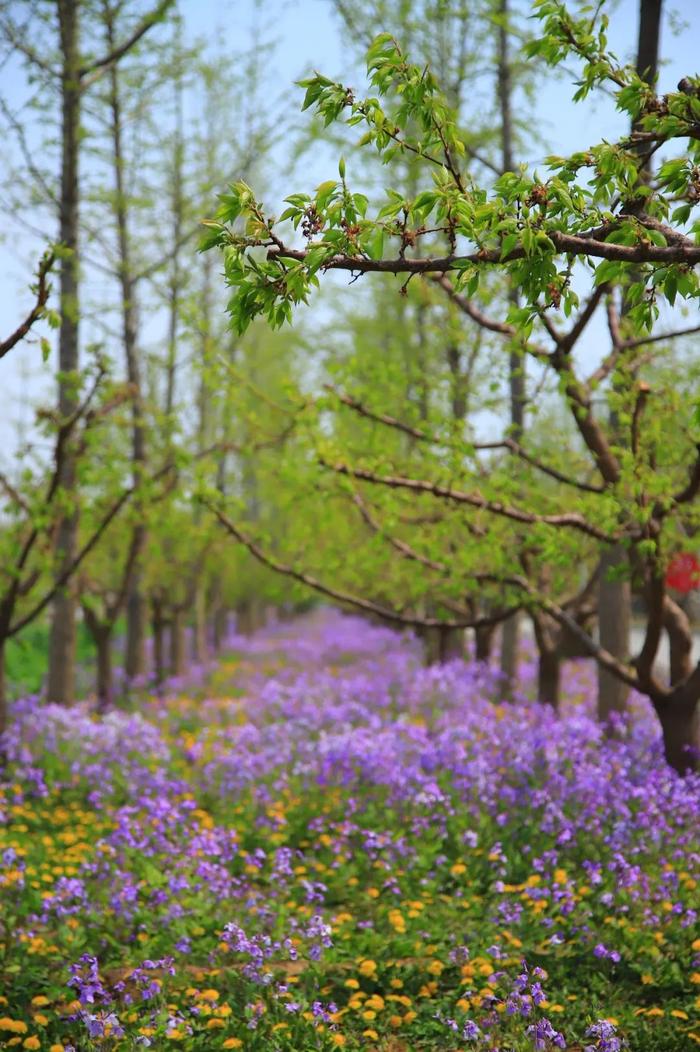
(232, 828)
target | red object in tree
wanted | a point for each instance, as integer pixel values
(683, 572)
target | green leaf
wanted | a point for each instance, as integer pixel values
(510, 241)
(375, 246)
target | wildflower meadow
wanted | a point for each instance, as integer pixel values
(326, 845)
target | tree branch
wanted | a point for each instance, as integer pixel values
(333, 593)
(564, 244)
(43, 290)
(75, 563)
(567, 520)
(92, 71)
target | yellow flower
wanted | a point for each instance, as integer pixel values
(678, 1014)
(210, 995)
(395, 984)
(31, 1042)
(396, 1021)
(56, 1048)
(40, 1019)
(15, 1026)
(655, 1011)
(338, 1040)
(367, 968)
(560, 876)
(458, 869)
(215, 1024)
(372, 1034)
(40, 1001)
(695, 978)
(647, 979)
(352, 984)
(369, 1015)
(232, 1042)
(437, 968)
(695, 945)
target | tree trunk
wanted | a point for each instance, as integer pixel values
(615, 596)
(614, 626)
(431, 645)
(452, 643)
(61, 680)
(680, 639)
(136, 619)
(483, 638)
(199, 637)
(136, 612)
(548, 677)
(157, 627)
(220, 627)
(177, 643)
(249, 617)
(3, 697)
(680, 727)
(105, 688)
(510, 639)
(442, 644)
(516, 363)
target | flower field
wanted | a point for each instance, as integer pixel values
(333, 847)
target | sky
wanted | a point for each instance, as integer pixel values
(307, 36)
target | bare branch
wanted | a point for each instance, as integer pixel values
(14, 35)
(469, 307)
(43, 290)
(423, 436)
(334, 593)
(567, 342)
(661, 337)
(94, 70)
(82, 554)
(475, 500)
(546, 469)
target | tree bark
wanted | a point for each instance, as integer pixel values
(680, 728)
(442, 644)
(614, 628)
(136, 614)
(199, 636)
(431, 646)
(680, 638)
(105, 684)
(3, 695)
(549, 677)
(220, 627)
(510, 633)
(615, 595)
(158, 630)
(177, 643)
(483, 638)
(249, 617)
(61, 679)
